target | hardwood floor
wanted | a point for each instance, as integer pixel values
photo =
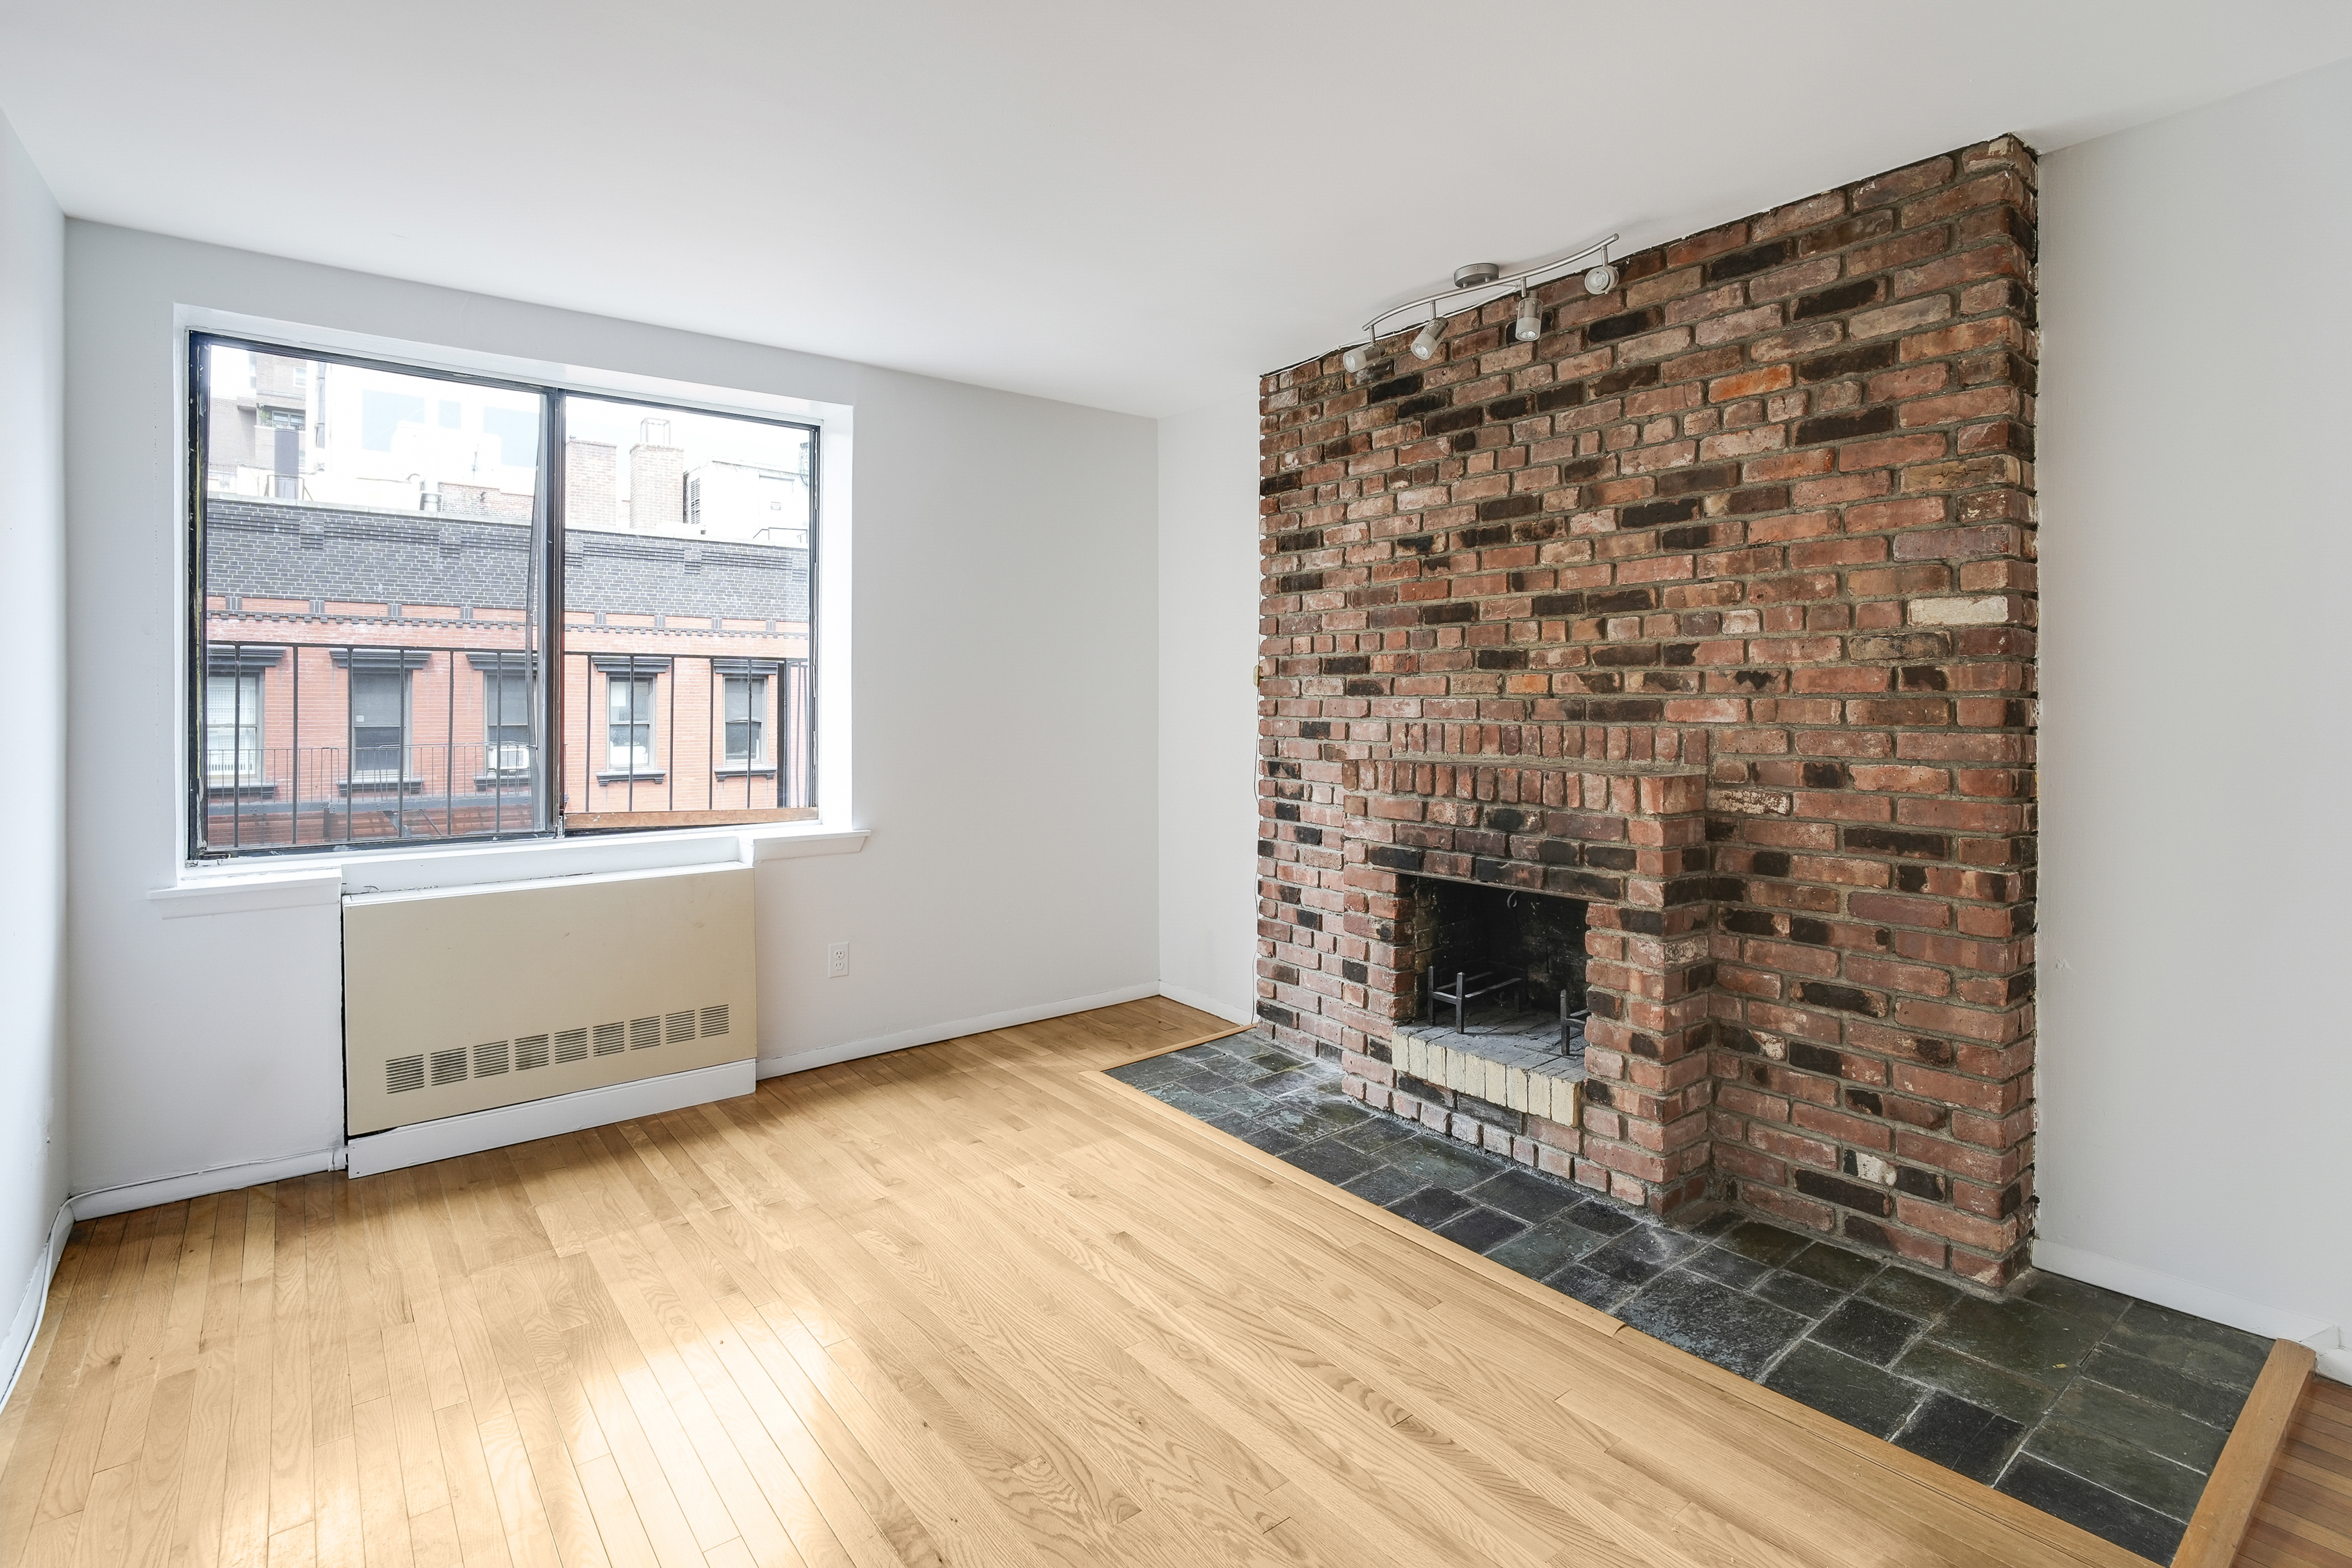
(971, 1303)
(2305, 1519)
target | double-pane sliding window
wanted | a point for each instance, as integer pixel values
(412, 591)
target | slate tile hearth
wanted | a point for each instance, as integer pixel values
(2106, 1411)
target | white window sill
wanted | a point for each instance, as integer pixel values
(248, 887)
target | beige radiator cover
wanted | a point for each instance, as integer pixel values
(505, 976)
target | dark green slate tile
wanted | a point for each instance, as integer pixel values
(1480, 1228)
(2210, 1402)
(1381, 1133)
(2074, 1298)
(1383, 1184)
(1833, 1266)
(2137, 1424)
(1431, 1206)
(1527, 1194)
(1592, 1289)
(2107, 1514)
(1960, 1436)
(1999, 1392)
(1797, 1293)
(1602, 1215)
(1765, 1243)
(2155, 1483)
(1909, 1294)
(1725, 1268)
(1854, 1392)
(1865, 1331)
(2017, 1337)
(1443, 1164)
(2209, 1352)
(1331, 1159)
(1273, 1140)
(1542, 1248)
(1737, 1332)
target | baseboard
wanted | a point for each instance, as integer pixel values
(1201, 1001)
(477, 1130)
(954, 1029)
(2201, 1300)
(104, 1201)
(34, 1306)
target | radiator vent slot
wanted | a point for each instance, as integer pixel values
(525, 1053)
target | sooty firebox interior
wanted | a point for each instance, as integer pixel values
(1509, 952)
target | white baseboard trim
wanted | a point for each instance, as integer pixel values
(104, 1201)
(931, 1034)
(2201, 1301)
(477, 1130)
(1231, 1012)
(27, 1324)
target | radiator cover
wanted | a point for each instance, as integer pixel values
(458, 1000)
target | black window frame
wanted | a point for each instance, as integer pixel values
(544, 613)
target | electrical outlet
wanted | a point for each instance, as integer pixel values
(837, 961)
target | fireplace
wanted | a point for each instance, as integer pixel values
(1709, 615)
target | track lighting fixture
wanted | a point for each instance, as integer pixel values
(1424, 341)
(1480, 283)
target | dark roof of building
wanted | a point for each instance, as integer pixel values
(286, 550)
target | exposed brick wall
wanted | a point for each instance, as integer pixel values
(1714, 606)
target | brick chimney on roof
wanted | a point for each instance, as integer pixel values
(657, 481)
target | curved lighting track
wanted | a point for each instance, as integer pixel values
(1492, 288)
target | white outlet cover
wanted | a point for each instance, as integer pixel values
(836, 959)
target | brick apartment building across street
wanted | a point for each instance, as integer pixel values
(368, 676)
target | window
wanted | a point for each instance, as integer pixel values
(492, 608)
(746, 720)
(507, 703)
(232, 730)
(629, 738)
(380, 713)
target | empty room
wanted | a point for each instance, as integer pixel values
(830, 786)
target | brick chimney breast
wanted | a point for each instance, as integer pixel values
(1715, 609)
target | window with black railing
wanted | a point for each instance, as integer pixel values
(435, 607)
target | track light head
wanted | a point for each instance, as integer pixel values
(1357, 358)
(1424, 341)
(1600, 279)
(1528, 325)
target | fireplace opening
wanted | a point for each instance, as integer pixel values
(1499, 967)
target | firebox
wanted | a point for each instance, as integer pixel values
(1501, 964)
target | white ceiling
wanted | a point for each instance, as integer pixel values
(1135, 206)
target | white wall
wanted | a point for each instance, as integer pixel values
(1208, 706)
(1003, 716)
(32, 787)
(2195, 1050)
